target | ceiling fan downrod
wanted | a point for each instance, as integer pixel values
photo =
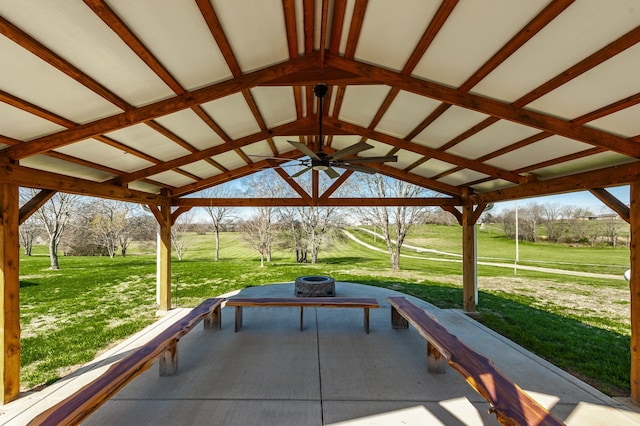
(320, 90)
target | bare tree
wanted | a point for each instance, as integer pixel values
(180, 237)
(54, 215)
(28, 232)
(309, 229)
(109, 223)
(258, 231)
(551, 215)
(266, 184)
(394, 222)
(217, 214)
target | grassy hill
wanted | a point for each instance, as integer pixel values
(578, 323)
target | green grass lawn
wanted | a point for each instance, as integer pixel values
(580, 324)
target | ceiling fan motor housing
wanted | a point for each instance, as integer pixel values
(320, 90)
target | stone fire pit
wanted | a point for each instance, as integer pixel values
(315, 286)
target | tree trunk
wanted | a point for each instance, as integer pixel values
(217, 244)
(395, 260)
(53, 254)
(262, 260)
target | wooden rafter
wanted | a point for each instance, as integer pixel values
(326, 202)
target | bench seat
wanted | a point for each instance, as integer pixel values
(365, 303)
(73, 409)
(510, 403)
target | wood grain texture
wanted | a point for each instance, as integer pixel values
(85, 401)
(510, 403)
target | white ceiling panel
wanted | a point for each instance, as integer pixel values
(361, 103)
(201, 169)
(109, 156)
(25, 76)
(255, 30)
(282, 145)
(171, 178)
(55, 165)
(187, 125)
(432, 167)
(607, 83)
(546, 149)
(492, 185)
(592, 162)
(145, 187)
(462, 177)
(143, 138)
(497, 136)
(405, 113)
(233, 115)
(21, 125)
(258, 151)
(179, 37)
(73, 31)
(405, 159)
(624, 123)
(230, 160)
(390, 38)
(453, 122)
(582, 29)
(276, 105)
(455, 55)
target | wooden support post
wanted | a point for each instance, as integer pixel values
(634, 288)
(436, 362)
(469, 280)
(213, 321)
(397, 320)
(168, 362)
(10, 288)
(164, 264)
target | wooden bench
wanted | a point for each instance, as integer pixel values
(317, 302)
(511, 405)
(85, 401)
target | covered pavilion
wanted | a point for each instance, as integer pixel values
(152, 101)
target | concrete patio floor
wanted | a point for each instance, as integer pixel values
(332, 373)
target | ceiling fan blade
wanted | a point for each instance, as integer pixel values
(332, 173)
(270, 157)
(350, 150)
(301, 172)
(361, 160)
(362, 169)
(304, 149)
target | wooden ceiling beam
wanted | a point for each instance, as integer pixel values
(613, 203)
(31, 206)
(284, 130)
(611, 176)
(489, 106)
(33, 178)
(426, 151)
(111, 19)
(289, 9)
(156, 109)
(322, 202)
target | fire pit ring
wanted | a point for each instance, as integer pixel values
(315, 286)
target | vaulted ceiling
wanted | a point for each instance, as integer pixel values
(479, 100)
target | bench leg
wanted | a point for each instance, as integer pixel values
(238, 318)
(397, 320)
(366, 320)
(436, 362)
(168, 362)
(301, 316)
(213, 320)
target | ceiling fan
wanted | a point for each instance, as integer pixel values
(325, 162)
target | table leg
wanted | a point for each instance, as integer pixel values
(366, 320)
(238, 318)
